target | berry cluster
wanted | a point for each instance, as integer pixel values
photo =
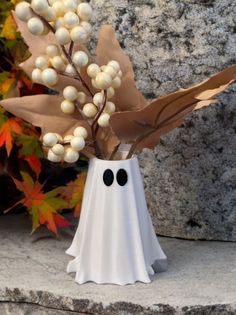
(65, 149)
(44, 72)
(105, 77)
(48, 65)
(69, 21)
(72, 96)
(69, 18)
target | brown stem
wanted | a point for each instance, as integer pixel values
(94, 126)
(68, 56)
(71, 48)
(65, 74)
(114, 152)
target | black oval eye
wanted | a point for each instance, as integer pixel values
(122, 177)
(108, 177)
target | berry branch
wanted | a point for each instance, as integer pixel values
(68, 20)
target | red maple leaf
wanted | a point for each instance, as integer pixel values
(7, 131)
(43, 207)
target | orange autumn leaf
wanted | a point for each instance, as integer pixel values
(34, 163)
(9, 28)
(43, 207)
(73, 193)
(32, 191)
(7, 131)
(6, 86)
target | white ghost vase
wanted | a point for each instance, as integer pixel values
(115, 241)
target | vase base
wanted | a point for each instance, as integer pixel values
(160, 265)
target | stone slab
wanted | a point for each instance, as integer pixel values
(190, 178)
(201, 279)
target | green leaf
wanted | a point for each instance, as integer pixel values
(57, 203)
(30, 145)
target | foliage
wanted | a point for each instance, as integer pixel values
(43, 207)
(20, 148)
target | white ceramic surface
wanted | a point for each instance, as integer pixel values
(115, 241)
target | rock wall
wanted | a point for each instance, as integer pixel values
(190, 179)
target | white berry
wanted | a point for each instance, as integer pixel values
(58, 7)
(77, 143)
(78, 34)
(67, 107)
(62, 36)
(87, 26)
(103, 80)
(59, 137)
(58, 63)
(71, 156)
(52, 50)
(71, 19)
(84, 11)
(58, 149)
(53, 157)
(89, 110)
(35, 26)
(111, 71)
(110, 108)
(93, 70)
(49, 77)
(98, 99)
(42, 62)
(70, 93)
(81, 97)
(94, 84)
(70, 70)
(23, 11)
(50, 14)
(36, 76)
(39, 6)
(50, 139)
(80, 59)
(103, 120)
(58, 23)
(114, 64)
(110, 92)
(70, 5)
(116, 83)
(81, 132)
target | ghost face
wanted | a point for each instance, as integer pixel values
(121, 177)
(113, 182)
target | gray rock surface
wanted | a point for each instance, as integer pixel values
(190, 178)
(201, 279)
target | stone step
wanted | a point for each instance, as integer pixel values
(201, 279)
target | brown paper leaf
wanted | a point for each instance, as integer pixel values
(127, 96)
(144, 127)
(44, 111)
(107, 141)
